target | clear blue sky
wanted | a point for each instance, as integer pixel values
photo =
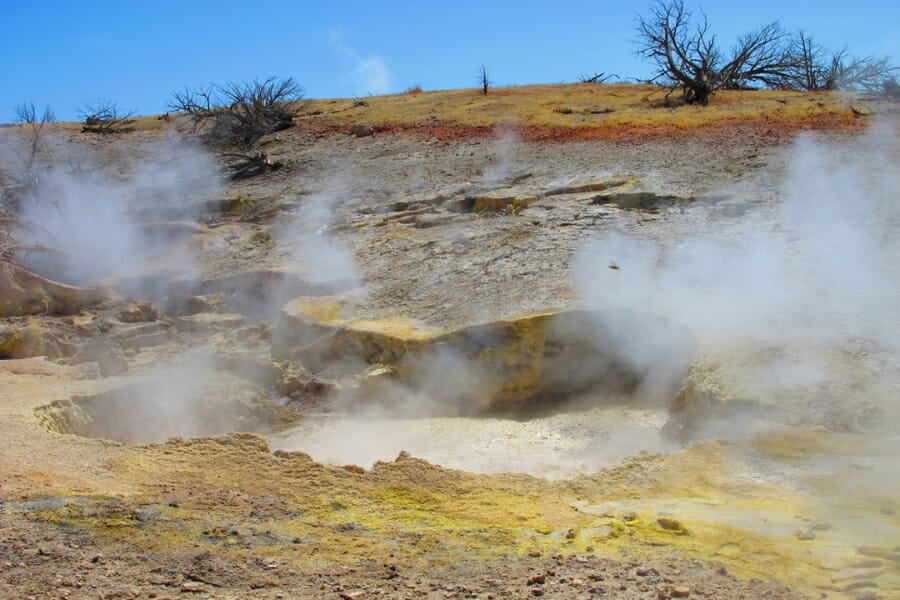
(67, 53)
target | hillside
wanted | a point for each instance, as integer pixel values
(556, 341)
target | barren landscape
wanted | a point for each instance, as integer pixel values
(552, 341)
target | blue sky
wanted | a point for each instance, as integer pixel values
(135, 53)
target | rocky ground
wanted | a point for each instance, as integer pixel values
(371, 271)
(38, 565)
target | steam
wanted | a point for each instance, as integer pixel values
(83, 212)
(187, 397)
(823, 271)
(556, 446)
(307, 238)
(505, 141)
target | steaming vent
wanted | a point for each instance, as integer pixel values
(501, 366)
(173, 402)
(511, 367)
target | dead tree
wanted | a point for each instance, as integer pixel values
(20, 178)
(19, 175)
(687, 56)
(808, 71)
(239, 114)
(815, 69)
(104, 116)
(484, 80)
(235, 116)
(597, 78)
(866, 74)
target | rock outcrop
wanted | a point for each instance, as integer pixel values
(496, 365)
(25, 293)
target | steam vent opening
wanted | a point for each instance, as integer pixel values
(509, 365)
(152, 409)
(552, 394)
(568, 386)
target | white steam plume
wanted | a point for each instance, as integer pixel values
(506, 139)
(84, 215)
(306, 235)
(823, 271)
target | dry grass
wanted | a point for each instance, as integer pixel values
(578, 105)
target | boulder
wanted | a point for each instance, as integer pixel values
(32, 338)
(738, 389)
(359, 130)
(138, 312)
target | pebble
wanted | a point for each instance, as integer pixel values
(537, 579)
(537, 591)
(681, 591)
(805, 535)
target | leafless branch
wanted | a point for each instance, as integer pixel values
(687, 55)
(238, 114)
(814, 68)
(19, 175)
(105, 116)
(597, 78)
(249, 164)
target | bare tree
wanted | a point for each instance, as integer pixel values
(104, 116)
(20, 177)
(814, 68)
(687, 56)
(238, 114)
(867, 74)
(234, 116)
(18, 173)
(484, 80)
(27, 114)
(808, 71)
